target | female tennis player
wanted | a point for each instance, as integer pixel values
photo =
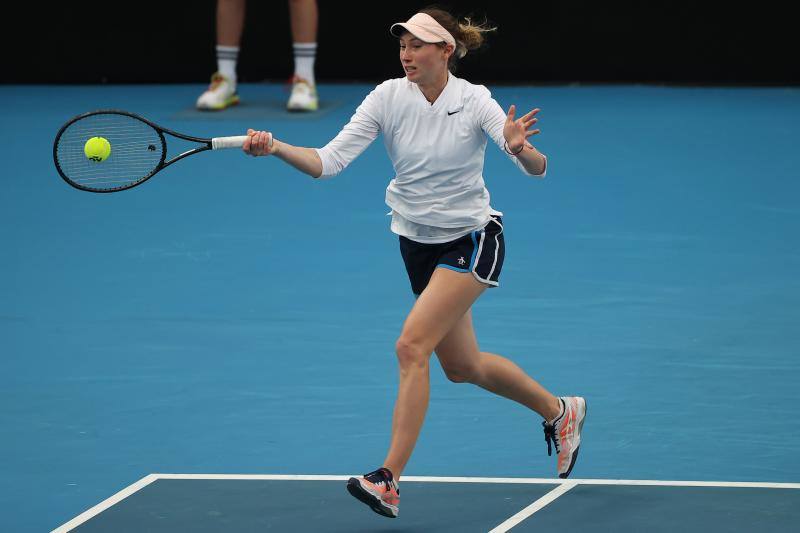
(435, 129)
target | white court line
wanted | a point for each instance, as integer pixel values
(105, 504)
(268, 477)
(659, 483)
(535, 506)
(124, 493)
(523, 480)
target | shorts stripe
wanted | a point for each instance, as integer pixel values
(488, 279)
(449, 267)
(496, 248)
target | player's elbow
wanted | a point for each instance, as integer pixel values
(316, 166)
(331, 168)
(325, 173)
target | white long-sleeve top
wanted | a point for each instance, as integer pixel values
(437, 150)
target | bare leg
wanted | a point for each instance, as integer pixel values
(440, 306)
(462, 361)
(230, 21)
(304, 18)
(221, 93)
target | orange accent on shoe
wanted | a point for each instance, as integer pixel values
(292, 80)
(216, 79)
(568, 425)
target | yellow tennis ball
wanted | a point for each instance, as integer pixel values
(97, 149)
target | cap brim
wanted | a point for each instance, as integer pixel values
(417, 31)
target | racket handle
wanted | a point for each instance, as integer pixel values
(218, 143)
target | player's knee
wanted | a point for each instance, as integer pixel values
(411, 353)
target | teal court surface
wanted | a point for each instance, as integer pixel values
(232, 316)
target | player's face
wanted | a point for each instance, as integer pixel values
(421, 61)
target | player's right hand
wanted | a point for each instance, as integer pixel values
(258, 143)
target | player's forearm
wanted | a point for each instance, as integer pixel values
(303, 159)
(533, 161)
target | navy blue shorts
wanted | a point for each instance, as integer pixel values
(480, 252)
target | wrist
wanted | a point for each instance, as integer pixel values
(513, 150)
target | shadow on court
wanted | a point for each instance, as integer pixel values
(243, 505)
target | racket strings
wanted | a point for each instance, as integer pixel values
(136, 151)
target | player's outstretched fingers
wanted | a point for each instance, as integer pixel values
(512, 110)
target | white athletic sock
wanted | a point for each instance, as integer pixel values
(304, 55)
(226, 61)
(563, 406)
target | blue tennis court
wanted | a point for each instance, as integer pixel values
(231, 323)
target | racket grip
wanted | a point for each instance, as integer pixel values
(218, 143)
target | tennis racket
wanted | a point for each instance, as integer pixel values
(138, 150)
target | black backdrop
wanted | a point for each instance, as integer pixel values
(649, 41)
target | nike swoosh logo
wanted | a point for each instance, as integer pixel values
(452, 112)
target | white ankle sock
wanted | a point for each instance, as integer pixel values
(226, 61)
(561, 402)
(304, 55)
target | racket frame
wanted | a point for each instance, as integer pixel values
(162, 164)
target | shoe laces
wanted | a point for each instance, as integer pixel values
(550, 436)
(382, 476)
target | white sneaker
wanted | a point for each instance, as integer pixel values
(303, 97)
(565, 433)
(220, 94)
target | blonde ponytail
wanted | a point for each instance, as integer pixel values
(468, 34)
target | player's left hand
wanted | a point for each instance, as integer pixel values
(516, 131)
